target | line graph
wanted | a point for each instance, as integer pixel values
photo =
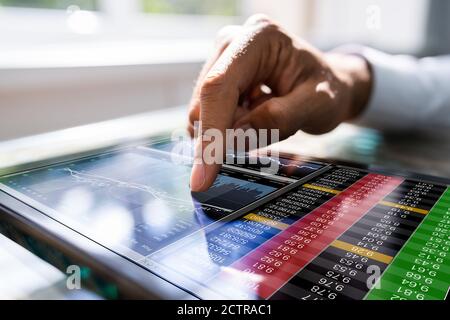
(139, 198)
(102, 181)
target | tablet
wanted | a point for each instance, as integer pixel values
(314, 230)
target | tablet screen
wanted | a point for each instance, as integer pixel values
(313, 231)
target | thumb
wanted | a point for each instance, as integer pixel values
(233, 72)
(277, 113)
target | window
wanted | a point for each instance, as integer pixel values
(198, 7)
(50, 4)
(137, 54)
(186, 7)
(25, 23)
(115, 18)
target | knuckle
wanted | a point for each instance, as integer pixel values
(258, 18)
(225, 34)
(265, 32)
(224, 31)
(209, 122)
(262, 23)
(212, 85)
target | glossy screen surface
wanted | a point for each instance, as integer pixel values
(313, 231)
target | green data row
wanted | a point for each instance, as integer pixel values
(421, 270)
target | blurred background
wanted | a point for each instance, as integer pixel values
(71, 62)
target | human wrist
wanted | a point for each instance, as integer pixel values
(356, 73)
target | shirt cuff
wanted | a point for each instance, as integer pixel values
(396, 101)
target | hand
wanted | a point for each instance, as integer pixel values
(308, 90)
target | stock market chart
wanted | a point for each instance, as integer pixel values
(335, 233)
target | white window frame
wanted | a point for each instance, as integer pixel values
(131, 65)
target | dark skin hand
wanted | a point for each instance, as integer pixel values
(310, 90)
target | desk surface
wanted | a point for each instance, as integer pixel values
(24, 275)
(418, 152)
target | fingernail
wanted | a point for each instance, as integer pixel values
(197, 176)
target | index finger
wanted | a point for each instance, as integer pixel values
(224, 38)
(231, 75)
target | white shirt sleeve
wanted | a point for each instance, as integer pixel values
(408, 93)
